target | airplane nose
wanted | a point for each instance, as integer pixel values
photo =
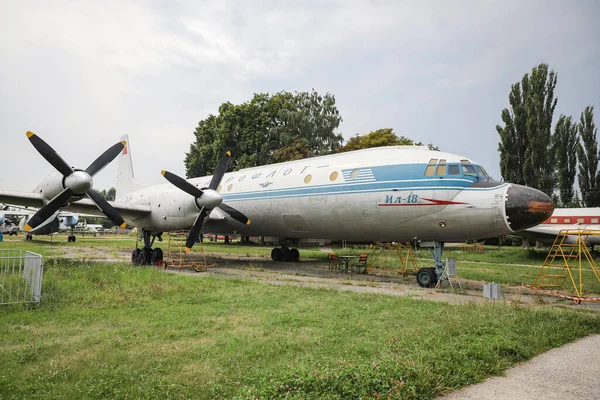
(527, 207)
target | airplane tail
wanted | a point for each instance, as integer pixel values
(126, 182)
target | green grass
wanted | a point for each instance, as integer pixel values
(113, 331)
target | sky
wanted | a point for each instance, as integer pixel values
(81, 74)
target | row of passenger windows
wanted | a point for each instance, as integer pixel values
(440, 168)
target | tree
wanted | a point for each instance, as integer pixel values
(378, 138)
(267, 129)
(565, 147)
(526, 146)
(587, 151)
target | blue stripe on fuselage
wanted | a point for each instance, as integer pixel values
(389, 177)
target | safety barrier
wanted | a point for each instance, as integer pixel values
(20, 276)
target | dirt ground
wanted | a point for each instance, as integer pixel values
(315, 273)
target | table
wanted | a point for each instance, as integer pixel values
(346, 260)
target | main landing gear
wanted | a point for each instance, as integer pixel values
(71, 237)
(428, 277)
(285, 254)
(147, 255)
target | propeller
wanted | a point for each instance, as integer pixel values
(206, 199)
(76, 182)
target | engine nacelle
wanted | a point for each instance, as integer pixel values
(53, 185)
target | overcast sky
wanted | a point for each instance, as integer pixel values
(81, 74)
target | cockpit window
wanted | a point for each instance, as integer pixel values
(469, 170)
(481, 171)
(453, 169)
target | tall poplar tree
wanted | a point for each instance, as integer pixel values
(587, 151)
(565, 145)
(526, 146)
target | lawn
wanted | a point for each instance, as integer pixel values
(114, 331)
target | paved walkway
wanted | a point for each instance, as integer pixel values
(569, 372)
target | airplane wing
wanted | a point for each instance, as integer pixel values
(540, 232)
(29, 199)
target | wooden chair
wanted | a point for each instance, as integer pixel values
(334, 262)
(360, 267)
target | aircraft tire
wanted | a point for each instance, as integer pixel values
(295, 255)
(426, 277)
(158, 254)
(434, 275)
(276, 254)
(135, 254)
(286, 254)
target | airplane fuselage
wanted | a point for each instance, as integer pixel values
(389, 193)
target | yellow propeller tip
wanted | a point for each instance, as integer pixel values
(123, 225)
(123, 142)
(187, 249)
(163, 172)
(27, 228)
(30, 134)
(228, 153)
(248, 223)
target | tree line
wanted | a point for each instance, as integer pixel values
(275, 128)
(550, 158)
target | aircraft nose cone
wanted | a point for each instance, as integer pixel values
(527, 207)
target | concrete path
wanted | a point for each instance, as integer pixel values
(569, 372)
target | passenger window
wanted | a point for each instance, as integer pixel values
(441, 170)
(430, 170)
(453, 169)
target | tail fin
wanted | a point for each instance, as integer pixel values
(126, 182)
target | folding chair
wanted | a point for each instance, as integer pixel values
(360, 267)
(334, 262)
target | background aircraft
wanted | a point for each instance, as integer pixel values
(384, 194)
(57, 222)
(566, 218)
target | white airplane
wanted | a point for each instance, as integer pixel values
(566, 218)
(379, 194)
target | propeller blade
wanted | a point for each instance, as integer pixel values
(105, 158)
(219, 171)
(182, 184)
(193, 235)
(107, 209)
(235, 214)
(48, 209)
(49, 154)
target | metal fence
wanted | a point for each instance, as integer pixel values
(20, 276)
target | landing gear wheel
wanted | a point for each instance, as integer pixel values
(276, 254)
(435, 277)
(158, 254)
(135, 255)
(426, 277)
(285, 254)
(295, 255)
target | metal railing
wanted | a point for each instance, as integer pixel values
(20, 276)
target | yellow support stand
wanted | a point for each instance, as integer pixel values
(178, 258)
(571, 258)
(405, 254)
